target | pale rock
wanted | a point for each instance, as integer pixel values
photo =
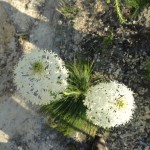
(147, 148)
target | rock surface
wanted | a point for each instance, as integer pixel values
(7, 50)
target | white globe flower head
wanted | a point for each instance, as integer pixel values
(109, 104)
(40, 77)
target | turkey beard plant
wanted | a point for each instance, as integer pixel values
(69, 112)
(109, 104)
(77, 95)
(41, 77)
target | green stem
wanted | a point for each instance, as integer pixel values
(121, 18)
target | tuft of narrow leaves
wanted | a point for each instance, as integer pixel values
(67, 8)
(137, 6)
(118, 9)
(69, 114)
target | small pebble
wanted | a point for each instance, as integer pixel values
(147, 148)
(20, 148)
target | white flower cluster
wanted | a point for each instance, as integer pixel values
(109, 104)
(40, 77)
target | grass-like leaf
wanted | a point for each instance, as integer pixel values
(67, 8)
(137, 6)
(79, 76)
(69, 114)
(118, 9)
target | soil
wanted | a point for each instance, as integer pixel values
(38, 24)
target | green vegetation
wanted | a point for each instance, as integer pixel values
(68, 115)
(70, 10)
(67, 8)
(147, 69)
(107, 41)
(136, 6)
(107, 1)
(22, 36)
(118, 9)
